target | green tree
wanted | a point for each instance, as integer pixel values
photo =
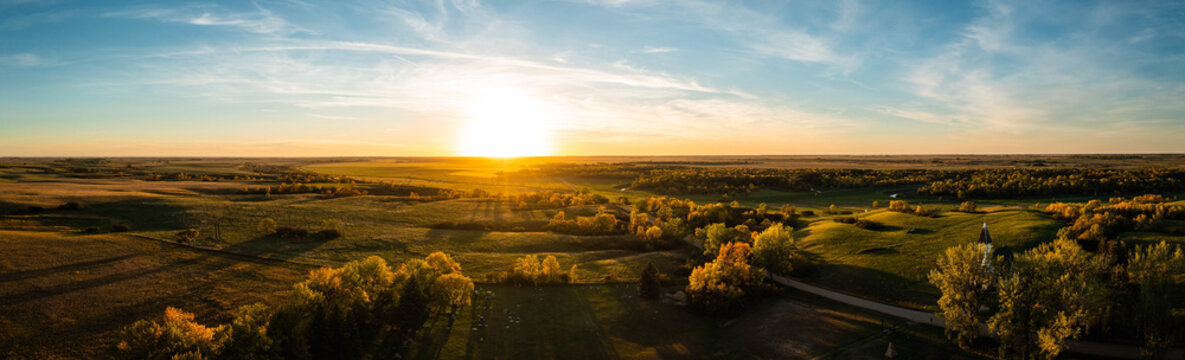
(718, 234)
(1055, 292)
(773, 247)
(1153, 269)
(963, 277)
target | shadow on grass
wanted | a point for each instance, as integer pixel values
(872, 284)
(78, 266)
(142, 214)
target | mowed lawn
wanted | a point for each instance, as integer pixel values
(892, 264)
(66, 295)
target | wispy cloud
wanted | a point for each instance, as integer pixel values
(261, 20)
(658, 50)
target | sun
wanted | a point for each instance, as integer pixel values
(505, 124)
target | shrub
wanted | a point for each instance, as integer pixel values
(73, 205)
(869, 224)
(925, 211)
(328, 234)
(291, 233)
(267, 226)
(845, 220)
(187, 235)
(120, 228)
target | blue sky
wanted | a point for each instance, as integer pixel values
(604, 77)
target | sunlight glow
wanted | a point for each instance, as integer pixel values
(505, 124)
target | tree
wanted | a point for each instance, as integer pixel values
(1055, 291)
(267, 226)
(649, 286)
(654, 233)
(963, 277)
(176, 334)
(249, 334)
(898, 206)
(187, 235)
(967, 207)
(772, 249)
(720, 285)
(1153, 269)
(718, 234)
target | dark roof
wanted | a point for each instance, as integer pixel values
(984, 236)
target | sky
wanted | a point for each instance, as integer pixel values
(596, 77)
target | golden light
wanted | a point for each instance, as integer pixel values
(505, 124)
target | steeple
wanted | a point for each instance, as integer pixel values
(986, 239)
(984, 236)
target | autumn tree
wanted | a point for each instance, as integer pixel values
(176, 334)
(720, 285)
(967, 207)
(963, 276)
(1052, 294)
(716, 235)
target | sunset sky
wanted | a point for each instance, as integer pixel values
(309, 78)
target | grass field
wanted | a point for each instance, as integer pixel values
(891, 264)
(65, 295)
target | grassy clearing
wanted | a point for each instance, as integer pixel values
(891, 264)
(67, 295)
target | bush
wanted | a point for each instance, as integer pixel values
(925, 211)
(71, 206)
(120, 228)
(288, 232)
(845, 220)
(187, 235)
(328, 234)
(869, 224)
(267, 226)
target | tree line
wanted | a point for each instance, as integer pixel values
(1058, 292)
(364, 309)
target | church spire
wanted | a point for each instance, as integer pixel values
(984, 236)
